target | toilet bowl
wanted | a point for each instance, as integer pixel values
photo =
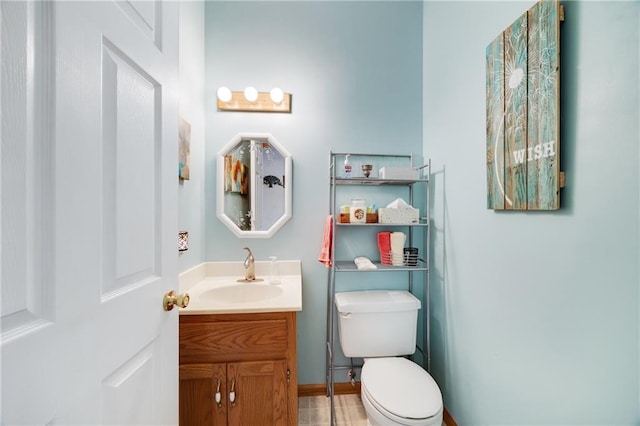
(396, 391)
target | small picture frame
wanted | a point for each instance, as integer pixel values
(184, 149)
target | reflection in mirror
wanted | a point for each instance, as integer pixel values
(254, 185)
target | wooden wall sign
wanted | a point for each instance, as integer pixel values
(523, 106)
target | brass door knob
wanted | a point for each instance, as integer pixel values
(171, 299)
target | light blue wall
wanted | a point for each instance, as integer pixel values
(192, 107)
(355, 72)
(537, 314)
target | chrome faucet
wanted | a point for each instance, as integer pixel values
(249, 266)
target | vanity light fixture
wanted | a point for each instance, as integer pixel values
(250, 100)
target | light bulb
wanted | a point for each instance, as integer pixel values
(277, 95)
(251, 94)
(224, 94)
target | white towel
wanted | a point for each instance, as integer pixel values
(397, 248)
(364, 263)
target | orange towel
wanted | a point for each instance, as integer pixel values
(384, 245)
(327, 250)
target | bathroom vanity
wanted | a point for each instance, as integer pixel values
(238, 369)
(238, 346)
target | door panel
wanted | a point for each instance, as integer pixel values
(88, 223)
(28, 316)
(130, 110)
(25, 168)
(122, 401)
(260, 393)
(147, 16)
(198, 387)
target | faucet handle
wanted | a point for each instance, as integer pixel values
(250, 272)
(249, 257)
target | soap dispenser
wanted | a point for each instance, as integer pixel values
(347, 167)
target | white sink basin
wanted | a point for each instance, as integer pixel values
(217, 288)
(242, 293)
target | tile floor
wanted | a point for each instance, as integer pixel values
(315, 411)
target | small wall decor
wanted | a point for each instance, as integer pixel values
(184, 148)
(183, 241)
(523, 112)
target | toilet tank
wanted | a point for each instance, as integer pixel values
(377, 323)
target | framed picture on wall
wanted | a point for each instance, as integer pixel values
(184, 148)
(523, 112)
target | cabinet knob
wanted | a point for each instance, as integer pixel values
(171, 299)
(232, 394)
(218, 394)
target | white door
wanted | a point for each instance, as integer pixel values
(89, 212)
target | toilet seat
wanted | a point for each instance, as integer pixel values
(400, 390)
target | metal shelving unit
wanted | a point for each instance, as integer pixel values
(348, 266)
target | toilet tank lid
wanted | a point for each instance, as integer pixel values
(376, 301)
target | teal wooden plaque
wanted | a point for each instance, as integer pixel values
(523, 103)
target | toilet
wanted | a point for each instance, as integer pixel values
(381, 326)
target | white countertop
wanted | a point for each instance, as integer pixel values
(213, 288)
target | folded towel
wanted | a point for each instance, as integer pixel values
(364, 263)
(384, 245)
(326, 252)
(397, 248)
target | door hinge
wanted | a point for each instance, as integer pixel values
(288, 376)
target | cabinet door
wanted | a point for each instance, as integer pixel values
(260, 393)
(199, 384)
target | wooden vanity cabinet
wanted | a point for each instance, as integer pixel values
(250, 358)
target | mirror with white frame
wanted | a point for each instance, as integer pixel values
(254, 185)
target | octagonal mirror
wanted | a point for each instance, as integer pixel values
(254, 185)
